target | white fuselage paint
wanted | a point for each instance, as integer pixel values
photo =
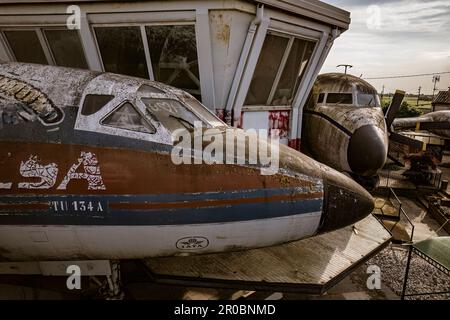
(20, 243)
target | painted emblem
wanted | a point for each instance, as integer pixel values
(85, 168)
(192, 243)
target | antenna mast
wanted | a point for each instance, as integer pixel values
(345, 66)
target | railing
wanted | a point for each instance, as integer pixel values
(400, 211)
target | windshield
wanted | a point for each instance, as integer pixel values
(368, 100)
(171, 114)
(339, 98)
(205, 113)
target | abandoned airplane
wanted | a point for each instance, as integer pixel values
(87, 174)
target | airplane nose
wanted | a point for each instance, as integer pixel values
(367, 150)
(345, 202)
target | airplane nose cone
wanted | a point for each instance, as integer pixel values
(344, 201)
(344, 204)
(367, 150)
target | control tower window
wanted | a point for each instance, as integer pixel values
(293, 72)
(128, 117)
(266, 69)
(281, 66)
(339, 98)
(122, 50)
(173, 52)
(25, 45)
(66, 48)
(368, 100)
(170, 113)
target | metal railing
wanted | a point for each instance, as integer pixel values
(392, 197)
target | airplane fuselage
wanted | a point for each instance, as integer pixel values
(87, 173)
(344, 126)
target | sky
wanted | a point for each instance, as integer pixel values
(395, 37)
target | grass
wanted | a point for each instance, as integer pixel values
(424, 106)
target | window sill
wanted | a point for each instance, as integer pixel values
(265, 108)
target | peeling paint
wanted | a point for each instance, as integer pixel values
(5, 185)
(91, 172)
(43, 107)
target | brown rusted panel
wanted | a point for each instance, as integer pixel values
(129, 171)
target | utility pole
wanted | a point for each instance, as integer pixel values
(418, 96)
(436, 78)
(382, 94)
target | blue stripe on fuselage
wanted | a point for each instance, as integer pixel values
(176, 216)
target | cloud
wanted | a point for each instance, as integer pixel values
(395, 37)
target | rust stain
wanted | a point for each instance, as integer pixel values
(223, 29)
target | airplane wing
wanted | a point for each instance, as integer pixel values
(420, 123)
(435, 122)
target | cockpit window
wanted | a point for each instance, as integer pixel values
(205, 113)
(368, 100)
(128, 118)
(340, 98)
(171, 113)
(321, 97)
(94, 102)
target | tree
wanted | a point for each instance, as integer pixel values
(405, 111)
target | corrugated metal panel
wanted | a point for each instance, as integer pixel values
(442, 97)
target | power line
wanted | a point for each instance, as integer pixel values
(407, 76)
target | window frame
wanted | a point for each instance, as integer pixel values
(292, 36)
(43, 41)
(143, 35)
(324, 98)
(340, 104)
(120, 105)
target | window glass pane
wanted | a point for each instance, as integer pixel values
(320, 99)
(122, 50)
(66, 48)
(368, 100)
(266, 69)
(94, 102)
(173, 51)
(293, 71)
(170, 113)
(344, 98)
(25, 46)
(127, 117)
(205, 113)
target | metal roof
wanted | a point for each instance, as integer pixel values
(313, 9)
(443, 97)
(437, 249)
